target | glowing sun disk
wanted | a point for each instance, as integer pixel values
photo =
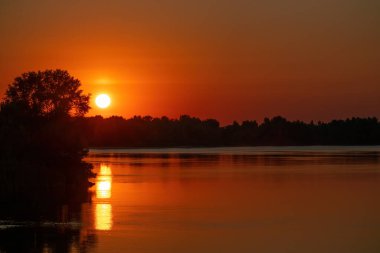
(103, 101)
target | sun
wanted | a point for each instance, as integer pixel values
(103, 101)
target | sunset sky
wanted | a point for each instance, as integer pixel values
(229, 60)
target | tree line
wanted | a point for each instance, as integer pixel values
(187, 131)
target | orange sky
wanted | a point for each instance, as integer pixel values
(230, 60)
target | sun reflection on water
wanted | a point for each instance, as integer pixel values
(103, 210)
(103, 216)
(104, 182)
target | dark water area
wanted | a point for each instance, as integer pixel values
(266, 199)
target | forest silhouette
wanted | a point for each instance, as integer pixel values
(189, 131)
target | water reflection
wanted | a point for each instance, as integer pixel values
(103, 217)
(240, 201)
(262, 156)
(44, 223)
(55, 221)
(103, 209)
(206, 203)
(104, 182)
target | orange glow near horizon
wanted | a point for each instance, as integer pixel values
(216, 59)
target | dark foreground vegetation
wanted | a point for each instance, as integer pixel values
(43, 180)
(189, 131)
(41, 143)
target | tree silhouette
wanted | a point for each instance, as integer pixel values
(39, 116)
(40, 128)
(46, 94)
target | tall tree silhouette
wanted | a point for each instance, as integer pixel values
(47, 93)
(40, 124)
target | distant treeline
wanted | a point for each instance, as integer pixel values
(190, 131)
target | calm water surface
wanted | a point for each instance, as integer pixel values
(304, 199)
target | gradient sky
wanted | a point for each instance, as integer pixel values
(230, 60)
